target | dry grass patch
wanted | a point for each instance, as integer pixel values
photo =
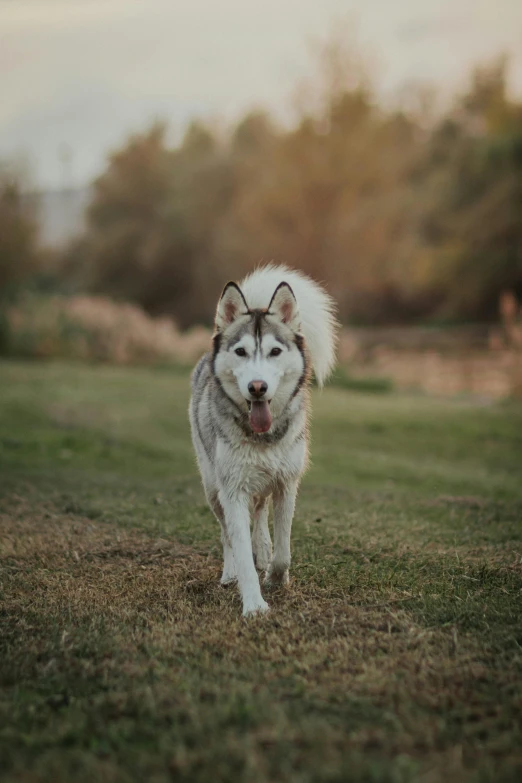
(135, 632)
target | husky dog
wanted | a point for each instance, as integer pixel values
(249, 416)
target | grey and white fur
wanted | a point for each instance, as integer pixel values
(249, 415)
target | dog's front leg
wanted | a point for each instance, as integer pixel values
(237, 521)
(284, 505)
(261, 542)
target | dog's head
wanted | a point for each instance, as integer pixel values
(259, 355)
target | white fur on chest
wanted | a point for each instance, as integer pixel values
(256, 469)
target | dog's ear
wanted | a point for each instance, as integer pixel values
(284, 305)
(231, 304)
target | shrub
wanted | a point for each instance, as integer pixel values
(96, 329)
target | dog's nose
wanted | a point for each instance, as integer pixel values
(257, 388)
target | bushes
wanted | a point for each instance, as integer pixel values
(95, 329)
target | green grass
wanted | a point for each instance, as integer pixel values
(395, 654)
(369, 384)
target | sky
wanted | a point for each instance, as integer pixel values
(78, 76)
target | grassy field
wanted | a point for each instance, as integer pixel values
(394, 655)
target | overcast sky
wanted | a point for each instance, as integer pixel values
(85, 73)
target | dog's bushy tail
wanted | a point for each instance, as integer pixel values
(317, 310)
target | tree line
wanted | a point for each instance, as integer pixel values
(406, 216)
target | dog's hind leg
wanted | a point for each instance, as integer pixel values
(261, 542)
(229, 569)
(284, 505)
(229, 574)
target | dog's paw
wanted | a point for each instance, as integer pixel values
(262, 559)
(227, 580)
(252, 608)
(277, 577)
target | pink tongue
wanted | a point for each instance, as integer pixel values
(260, 417)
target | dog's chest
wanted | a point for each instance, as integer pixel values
(247, 467)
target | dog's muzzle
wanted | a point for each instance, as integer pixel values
(258, 389)
(260, 415)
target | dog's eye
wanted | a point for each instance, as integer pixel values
(240, 352)
(275, 351)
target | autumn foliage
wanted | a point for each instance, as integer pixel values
(407, 215)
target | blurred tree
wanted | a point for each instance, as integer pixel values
(151, 222)
(125, 219)
(328, 196)
(473, 227)
(404, 216)
(18, 231)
